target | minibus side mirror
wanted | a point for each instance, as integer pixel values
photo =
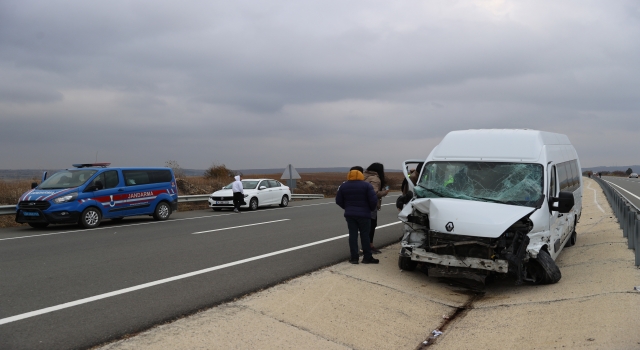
(564, 201)
(34, 185)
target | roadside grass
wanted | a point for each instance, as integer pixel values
(310, 183)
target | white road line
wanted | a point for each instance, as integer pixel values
(166, 280)
(595, 197)
(231, 228)
(611, 183)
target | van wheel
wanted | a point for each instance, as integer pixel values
(38, 224)
(162, 211)
(543, 270)
(90, 218)
(253, 203)
(285, 201)
(406, 264)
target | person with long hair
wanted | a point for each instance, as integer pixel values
(375, 176)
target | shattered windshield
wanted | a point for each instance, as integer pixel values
(507, 183)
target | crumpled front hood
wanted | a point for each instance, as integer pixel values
(43, 195)
(467, 218)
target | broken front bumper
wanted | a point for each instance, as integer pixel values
(497, 265)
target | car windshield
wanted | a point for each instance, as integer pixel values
(246, 184)
(507, 183)
(67, 179)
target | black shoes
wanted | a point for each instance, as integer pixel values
(370, 261)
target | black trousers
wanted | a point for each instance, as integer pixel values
(372, 229)
(238, 199)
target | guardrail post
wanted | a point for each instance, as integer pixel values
(631, 228)
(625, 221)
(637, 240)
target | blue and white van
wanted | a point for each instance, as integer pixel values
(88, 193)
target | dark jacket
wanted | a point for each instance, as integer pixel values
(356, 197)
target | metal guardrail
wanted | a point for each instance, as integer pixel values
(627, 215)
(11, 209)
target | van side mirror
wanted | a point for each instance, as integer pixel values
(96, 187)
(565, 202)
(34, 185)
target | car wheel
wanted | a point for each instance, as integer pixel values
(406, 264)
(90, 218)
(38, 224)
(162, 211)
(543, 270)
(285, 201)
(253, 203)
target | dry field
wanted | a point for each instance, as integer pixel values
(310, 183)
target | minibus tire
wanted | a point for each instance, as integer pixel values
(162, 212)
(38, 224)
(544, 269)
(406, 264)
(90, 218)
(572, 240)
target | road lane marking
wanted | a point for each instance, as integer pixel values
(231, 228)
(159, 222)
(611, 183)
(595, 197)
(166, 280)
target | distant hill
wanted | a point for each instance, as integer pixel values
(597, 169)
(36, 174)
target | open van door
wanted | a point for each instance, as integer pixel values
(406, 166)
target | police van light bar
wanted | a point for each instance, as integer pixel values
(91, 165)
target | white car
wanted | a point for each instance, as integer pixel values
(257, 193)
(633, 175)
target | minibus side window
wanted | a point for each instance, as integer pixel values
(570, 176)
(562, 177)
(576, 174)
(552, 182)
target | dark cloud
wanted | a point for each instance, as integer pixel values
(328, 83)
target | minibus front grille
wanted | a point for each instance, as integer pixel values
(42, 205)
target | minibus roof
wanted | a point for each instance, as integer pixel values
(520, 145)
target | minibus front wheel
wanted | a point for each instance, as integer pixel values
(162, 212)
(90, 217)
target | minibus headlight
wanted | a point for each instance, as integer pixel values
(66, 198)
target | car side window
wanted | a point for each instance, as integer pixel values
(273, 183)
(264, 183)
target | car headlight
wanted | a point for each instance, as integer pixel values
(66, 198)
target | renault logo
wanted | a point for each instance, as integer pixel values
(449, 226)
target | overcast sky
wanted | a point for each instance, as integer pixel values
(261, 84)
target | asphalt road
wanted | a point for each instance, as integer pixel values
(630, 188)
(64, 287)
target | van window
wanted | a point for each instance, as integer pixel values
(508, 183)
(144, 177)
(67, 179)
(562, 177)
(109, 179)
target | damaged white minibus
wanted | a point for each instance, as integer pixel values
(493, 202)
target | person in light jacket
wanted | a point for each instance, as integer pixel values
(358, 199)
(375, 176)
(238, 194)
